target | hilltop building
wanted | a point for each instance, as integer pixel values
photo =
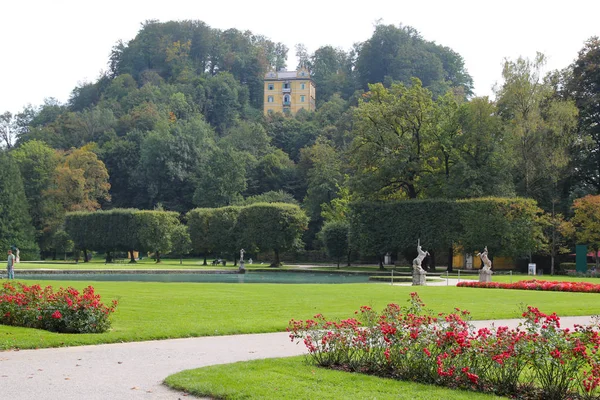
(288, 92)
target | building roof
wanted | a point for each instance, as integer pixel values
(280, 75)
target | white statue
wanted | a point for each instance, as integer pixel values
(486, 268)
(420, 257)
(242, 251)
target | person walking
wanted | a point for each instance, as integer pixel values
(10, 265)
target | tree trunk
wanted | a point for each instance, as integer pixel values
(450, 259)
(348, 259)
(85, 256)
(180, 259)
(109, 258)
(204, 259)
(431, 261)
(381, 262)
(157, 257)
(338, 262)
(131, 257)
(276, 263)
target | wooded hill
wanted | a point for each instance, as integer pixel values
(177, 122)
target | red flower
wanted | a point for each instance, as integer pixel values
(56, 315)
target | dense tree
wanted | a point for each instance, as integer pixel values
(540, 128)
(582, 85)
(181, 242)
(221, 180)
(400, 53)
(37, 163)
(15, 222)
(335, 238)
(393, 141)
(587, 223)
(155, 230)
(277, 227)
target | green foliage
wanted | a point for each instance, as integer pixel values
(268, 197)
(123, 230)
(181, 242)
(155, 230)
(335, 238)
(400, 53)
(541, 128)
(198, 225)
(15, 223)
(508, 226)
(275, 226)
(37, 162)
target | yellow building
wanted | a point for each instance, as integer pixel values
(288, 92)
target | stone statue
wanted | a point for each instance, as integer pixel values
(419, 273)
(420, 257)
(242, 268)
(485, 274)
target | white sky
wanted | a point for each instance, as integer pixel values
(47, 47)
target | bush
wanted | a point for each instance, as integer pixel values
(536, 360)
(64, 311)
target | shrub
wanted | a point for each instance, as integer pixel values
(64, 311)
(536, 360)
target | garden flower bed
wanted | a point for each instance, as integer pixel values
(66, 310)
(536, 360)
(535, 284)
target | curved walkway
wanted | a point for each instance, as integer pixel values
(136, 370)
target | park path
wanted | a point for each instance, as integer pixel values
(136, 370)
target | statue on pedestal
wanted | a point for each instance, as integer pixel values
(242, 268)
(485, 274)
(418, 272)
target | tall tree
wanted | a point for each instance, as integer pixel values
(584, 88)
(37, 163)
(15, 223)
(392, 143)
(540, 128)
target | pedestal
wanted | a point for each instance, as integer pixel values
(485, 276)
(419, 277)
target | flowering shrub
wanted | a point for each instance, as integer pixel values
(66, 310)
(534, 284)
(410, 343)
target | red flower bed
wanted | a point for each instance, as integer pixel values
(537, 360)
(66, 310)
(534, 284)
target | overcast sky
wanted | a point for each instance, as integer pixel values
(48, 47)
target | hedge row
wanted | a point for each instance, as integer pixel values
(507, 226)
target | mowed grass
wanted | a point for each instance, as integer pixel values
(293, 378)
(153, 310)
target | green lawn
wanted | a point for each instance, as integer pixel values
(293, 378)
(152, 310)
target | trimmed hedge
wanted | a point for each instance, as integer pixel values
(507, 226)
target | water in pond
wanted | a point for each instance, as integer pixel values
(252, 277)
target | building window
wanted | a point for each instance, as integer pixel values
(270, 99)
(286, 85)
(286, 100)
(270, 111)
(302, 99)
(302, 86)
(271, 86)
